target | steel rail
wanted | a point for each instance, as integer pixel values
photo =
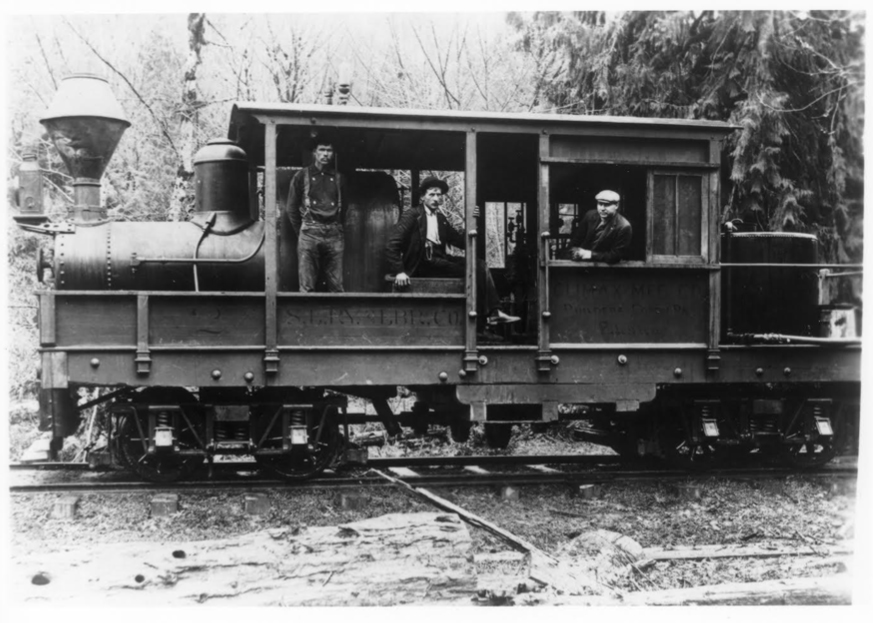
(417, 461)
(445, 480)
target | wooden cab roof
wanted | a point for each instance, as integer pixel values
(390, 138)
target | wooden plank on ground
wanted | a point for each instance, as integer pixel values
(833, 591)
(741, 551)
(545, 469)
(403, 472)
(545, 568)
(393, 559)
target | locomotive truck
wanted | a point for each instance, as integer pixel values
(707, 342)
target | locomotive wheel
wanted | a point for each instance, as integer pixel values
(325, 442)
(679, 452)
(816, 452)
(497, 435)
(460, 431)
(694, 457)
(133, 452)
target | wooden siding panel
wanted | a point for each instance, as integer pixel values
(396, 321)
(206, 321)
(690, 191)
(629, 150)
(664, 218)
(97, 320)
(600, 305)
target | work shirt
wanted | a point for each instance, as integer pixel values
(433, 229)
(326, 197)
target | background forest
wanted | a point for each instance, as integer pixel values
(792, 80)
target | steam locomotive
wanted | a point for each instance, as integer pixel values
(707, 342)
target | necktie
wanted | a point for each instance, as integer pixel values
(599, 234)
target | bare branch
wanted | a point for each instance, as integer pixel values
(160, 123)
(47, 65)
(440, 77)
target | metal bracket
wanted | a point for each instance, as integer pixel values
(143, 362)
(545, 361)
(49, 228)
(713, 360)
(271, 361)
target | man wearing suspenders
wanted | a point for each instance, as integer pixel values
(316, 210)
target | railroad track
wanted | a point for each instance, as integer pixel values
(428, 472)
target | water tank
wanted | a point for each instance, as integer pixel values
(764, 299)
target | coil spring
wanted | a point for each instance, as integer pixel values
(231, 431)
(241, 430)
(298, 418)
(763, 425)
(163, 418)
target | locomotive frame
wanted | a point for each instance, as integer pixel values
(642, 345)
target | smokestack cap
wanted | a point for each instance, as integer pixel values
(85, 95)
(85, 123)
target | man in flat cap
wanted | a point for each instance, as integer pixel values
(417, 247)
(316, 208)
(603, 234)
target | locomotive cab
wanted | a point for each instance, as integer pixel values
(203, 345)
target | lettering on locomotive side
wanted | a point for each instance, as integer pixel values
(628, 291)
(592, 307)
(339, 316)
(386, 323)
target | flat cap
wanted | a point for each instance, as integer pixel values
(431, 182)
(607, 196)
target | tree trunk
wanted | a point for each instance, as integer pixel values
(182, 193)
(387, 560)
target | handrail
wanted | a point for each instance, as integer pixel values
(786, 265)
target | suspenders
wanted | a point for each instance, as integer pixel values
(307, 202)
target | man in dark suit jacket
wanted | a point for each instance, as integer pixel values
(603, 234)
(417, 247)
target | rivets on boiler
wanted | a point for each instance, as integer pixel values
(554, 360)
(462, 373)
(787, 371)
(472, 314)
(95, 363)
(622, 360)
(443, 377)
(677, 372)
(759, 371)
(249, 377)
(216, 374)
(483, 360)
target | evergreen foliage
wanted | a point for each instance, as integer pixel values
(793, 82)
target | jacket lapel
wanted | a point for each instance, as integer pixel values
(422, 224)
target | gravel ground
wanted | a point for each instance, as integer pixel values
(787, 511)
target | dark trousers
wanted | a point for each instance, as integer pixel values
(320, 253)
(453, 266)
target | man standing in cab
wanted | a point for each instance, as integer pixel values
(417, 247)
(316, 208)
(603, 234)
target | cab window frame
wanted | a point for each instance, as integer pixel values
(703, 176)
